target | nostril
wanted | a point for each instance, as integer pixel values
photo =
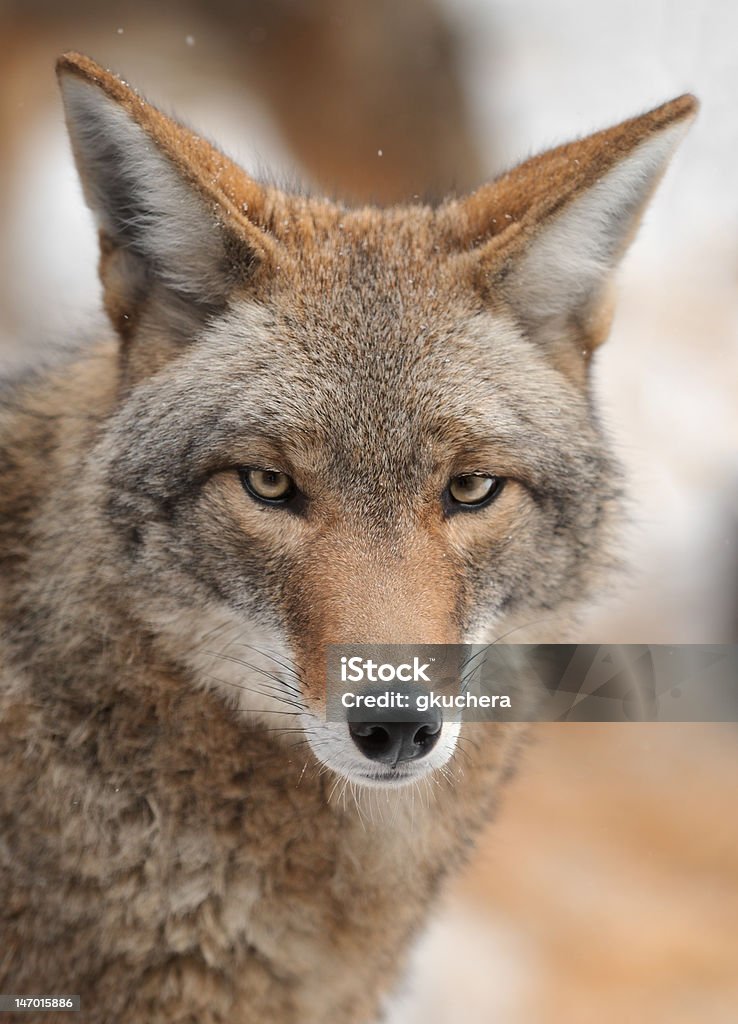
(426, 736)
(372, 740)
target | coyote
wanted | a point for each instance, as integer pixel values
(314, 424)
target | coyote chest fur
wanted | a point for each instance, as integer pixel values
(315, 425)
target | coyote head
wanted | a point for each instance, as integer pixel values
(345, 425)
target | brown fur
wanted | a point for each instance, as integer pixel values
(172, 852)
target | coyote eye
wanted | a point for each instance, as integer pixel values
(472, 490)
(268, 485)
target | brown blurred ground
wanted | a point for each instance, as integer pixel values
(616, 861)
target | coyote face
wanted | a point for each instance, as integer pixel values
(349, 426)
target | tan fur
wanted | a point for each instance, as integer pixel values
(179, 846)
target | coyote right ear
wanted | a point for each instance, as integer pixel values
(170, 208)
(548, 235)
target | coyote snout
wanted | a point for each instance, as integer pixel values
(392, 738)
(393, 743)
(393, 723)
(390, 752)
(371, 715)
(385, 734)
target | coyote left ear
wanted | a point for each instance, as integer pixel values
(179, 223)
(549, 233)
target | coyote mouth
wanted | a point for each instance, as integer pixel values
(393, 778)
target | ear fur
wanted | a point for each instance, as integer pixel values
(549, 234)
(172, 211)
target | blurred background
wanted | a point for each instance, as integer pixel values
(608, 888)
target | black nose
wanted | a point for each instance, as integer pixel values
(394, 742)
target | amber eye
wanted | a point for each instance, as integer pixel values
(474, 489)
(267, 485)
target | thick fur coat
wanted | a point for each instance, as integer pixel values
(182, 839)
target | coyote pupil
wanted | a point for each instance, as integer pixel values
(310, 425)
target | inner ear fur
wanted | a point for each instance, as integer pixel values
(176, 217)
(548, 235)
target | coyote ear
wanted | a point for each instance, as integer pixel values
(550, 232)
(172, 211)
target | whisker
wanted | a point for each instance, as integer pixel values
(278, 690)
(245, 664)
(266, 654)
(260, 693)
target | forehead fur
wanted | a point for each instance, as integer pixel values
(327, 253)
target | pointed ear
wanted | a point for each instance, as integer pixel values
(176, 217)
(549, 234)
